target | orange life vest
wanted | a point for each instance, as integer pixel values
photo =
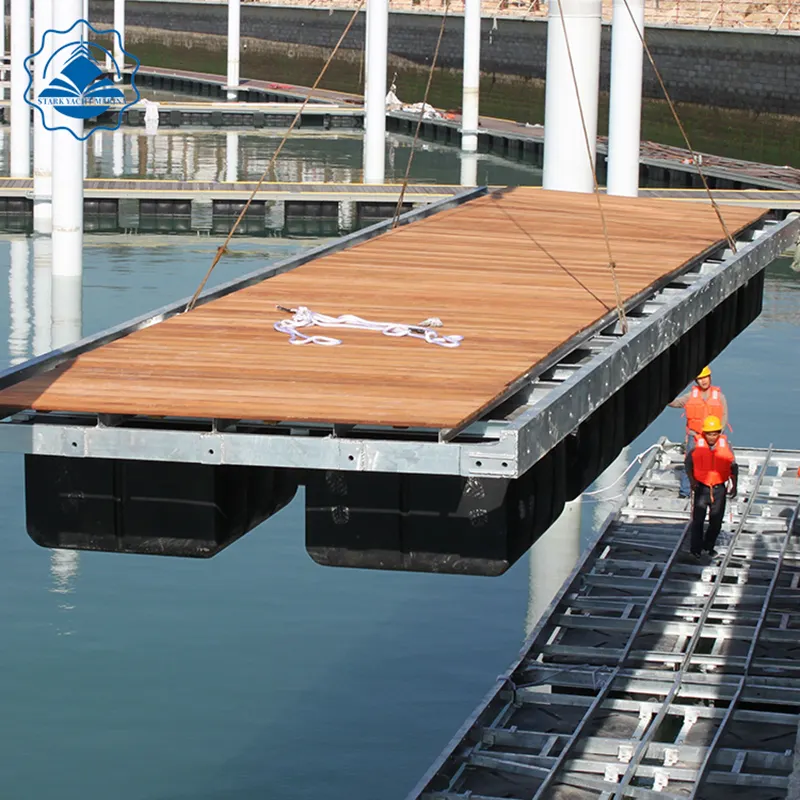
(697, 409)
(712, 466)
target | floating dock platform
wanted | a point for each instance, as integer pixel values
(114, 205)
(653, 675)
(544, 373)
(117, 205)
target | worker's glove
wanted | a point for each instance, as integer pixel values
(734, 487)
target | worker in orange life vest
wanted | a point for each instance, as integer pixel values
(710, 466)
(702, 401)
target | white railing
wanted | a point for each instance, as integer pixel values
(781, 15)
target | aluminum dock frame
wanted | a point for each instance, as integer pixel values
(654, 675)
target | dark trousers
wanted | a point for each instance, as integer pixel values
(685, 489)
(716, 511)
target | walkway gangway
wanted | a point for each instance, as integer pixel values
(652, 675)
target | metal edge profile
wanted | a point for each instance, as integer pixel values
(575, 341)
(548, 421)
(592, 550)
(47, 361)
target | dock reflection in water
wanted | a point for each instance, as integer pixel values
(306, 158)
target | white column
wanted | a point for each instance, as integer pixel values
(625, 111)
(42, 137)
(118, 153)
(552, 558)
(42, 294)
(19, 313)
(3, 48)
(472, 75)
(67, 172)
(567, 166)
(119, 41)
(610, 484)
(67, 310)
(234, 33)
(375, 91)
(469, 168)
(231, 157)
(20, 110)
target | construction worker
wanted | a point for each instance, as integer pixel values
(710, 466)
(702, 401)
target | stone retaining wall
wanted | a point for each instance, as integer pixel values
(733, 69)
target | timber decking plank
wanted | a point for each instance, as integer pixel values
(517, 274)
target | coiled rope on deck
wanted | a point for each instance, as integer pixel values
(303, 317)
(224, 247)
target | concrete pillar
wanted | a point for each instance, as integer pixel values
(375, 91)
(472, 75)
(231, 157)
(42, 294)
(469, 169)
(3, 74)
(234, 34)
(20, 110)
(552, 558)
(19, 312)
(42, 134)
(119, 41)
(625, 112)
(67, 307)
(567, 166)
(67, 172)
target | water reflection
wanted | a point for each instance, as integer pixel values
(217, 155)
(19, 329)
(42, 294)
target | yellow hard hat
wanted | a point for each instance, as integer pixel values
(704, 373)
(711, 424)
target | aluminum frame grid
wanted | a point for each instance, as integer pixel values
(546, 405)
(651, 675)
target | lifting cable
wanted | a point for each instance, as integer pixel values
(496, 197)
(224, 247)
(695, 160)
(399, 205)
(623, 321)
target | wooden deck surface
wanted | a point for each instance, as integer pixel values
(487, 269)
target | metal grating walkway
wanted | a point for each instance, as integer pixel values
(653, 675)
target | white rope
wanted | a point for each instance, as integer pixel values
(636, 460)
(303, 317)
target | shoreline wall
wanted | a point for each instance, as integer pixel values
(751, 70)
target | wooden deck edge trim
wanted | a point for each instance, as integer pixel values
(47, 361)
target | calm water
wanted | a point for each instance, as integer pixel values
(259, 674)
(131, 153)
